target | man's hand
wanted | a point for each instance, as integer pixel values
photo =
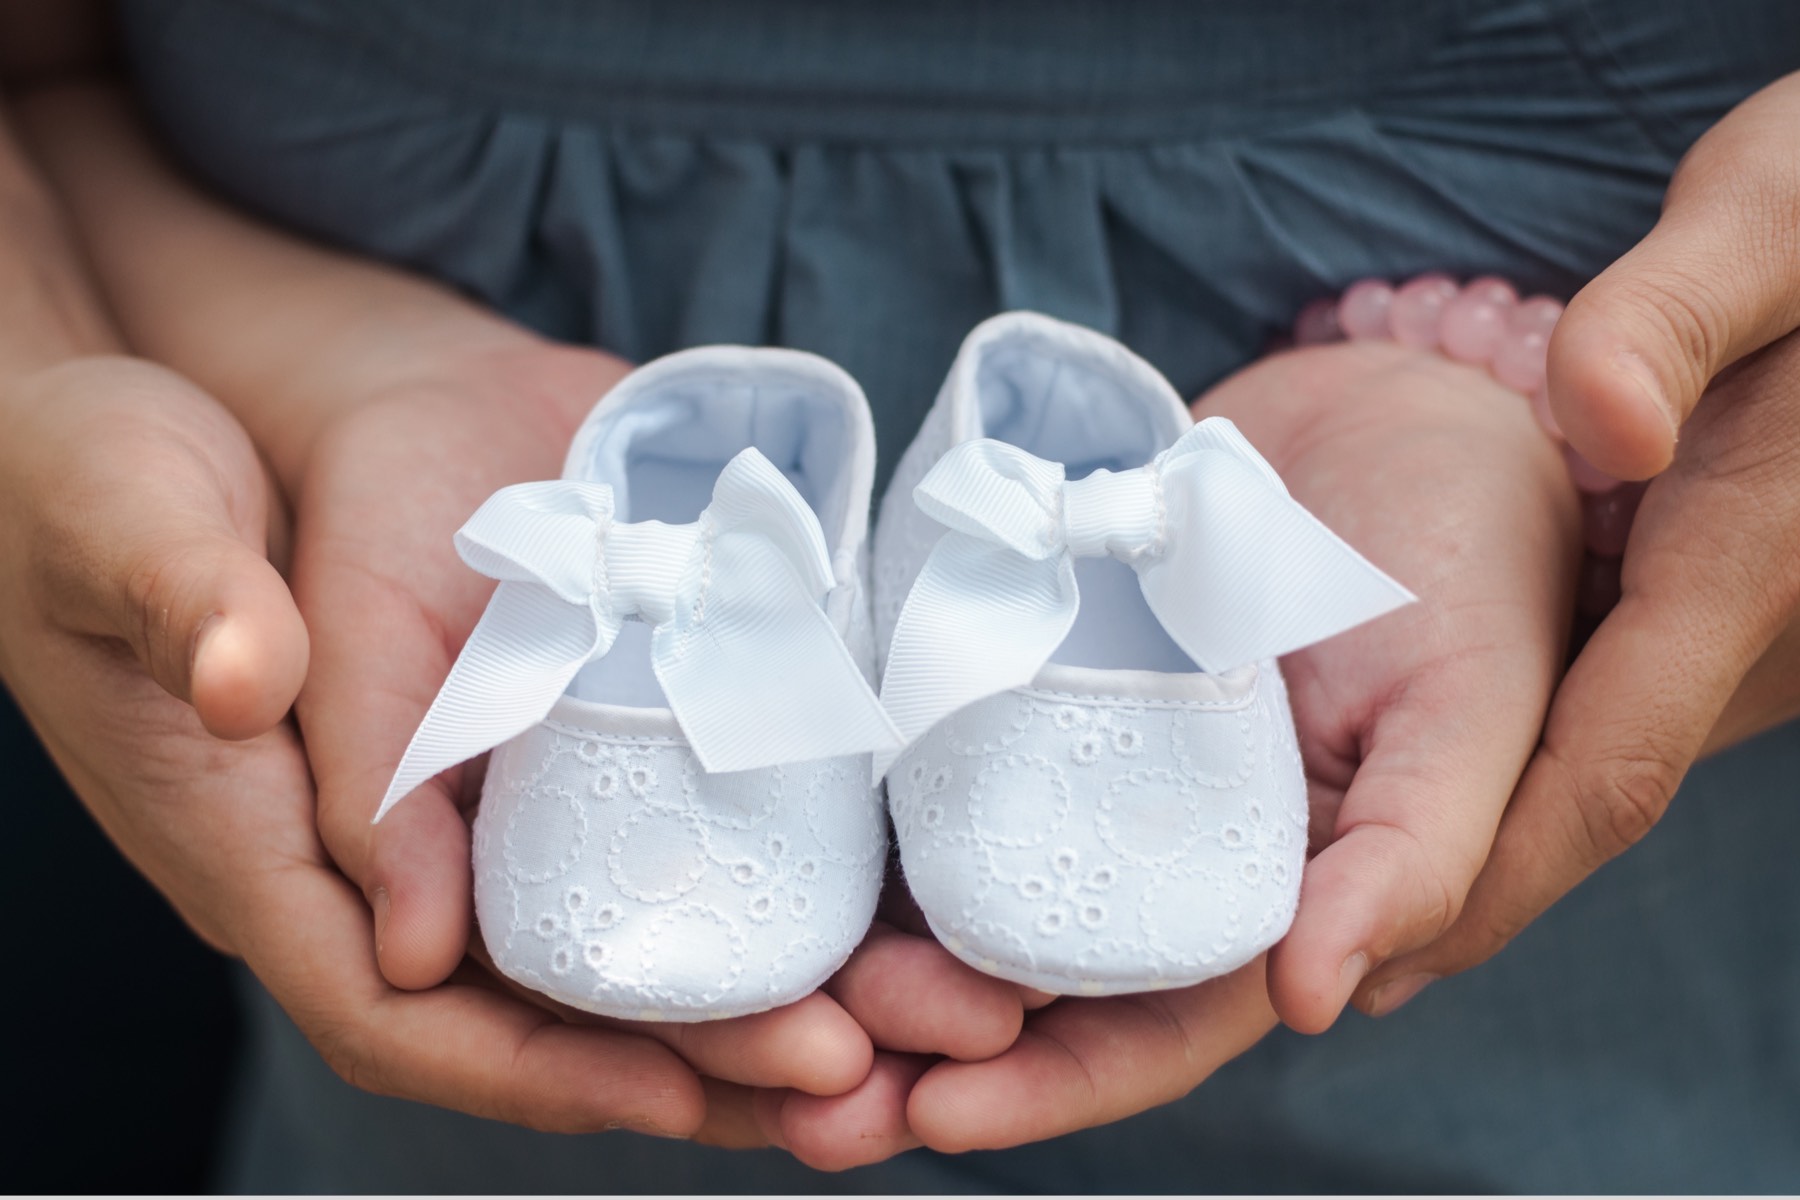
(135, 520)
(1692, 331)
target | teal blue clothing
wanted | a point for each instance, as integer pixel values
(867, 179)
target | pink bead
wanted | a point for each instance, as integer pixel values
(1493, 289)
(1540, 408)
(1586, 476)
(1536, 315)
(1606, 519)
(1418, 309)
(1363, 312)
(1599, 588)
(1472, 328)
(1317, 324)
(1518, 362)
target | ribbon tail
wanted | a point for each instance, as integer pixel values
(754, 670)
(980, 619)
(1254, 575)
(524, 651)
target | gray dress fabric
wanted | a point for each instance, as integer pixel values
(868, 179)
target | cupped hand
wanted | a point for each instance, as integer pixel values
(1680, 358)
(1413, 728)
(390, 408)
(389, 605)
(135, 526)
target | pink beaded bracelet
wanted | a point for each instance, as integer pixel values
(1485, 323)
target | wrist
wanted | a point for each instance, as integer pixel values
(1485, 324)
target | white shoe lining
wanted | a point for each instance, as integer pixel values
(1045, 399)
(662, 453)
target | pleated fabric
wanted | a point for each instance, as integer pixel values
(867, 180)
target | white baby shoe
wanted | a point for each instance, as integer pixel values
(678, 822)
(1082, 594)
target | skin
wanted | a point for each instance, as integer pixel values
(358, 374)
(1412, 728)
(1682, 358)
(141, 624)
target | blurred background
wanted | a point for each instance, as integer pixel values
(123, 1024)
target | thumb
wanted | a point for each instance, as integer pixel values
(1705, 594)
(213, 623)
(1717, 278)
(165, 546)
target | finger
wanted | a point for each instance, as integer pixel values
(417, 876)
(1089, 1062)
(812, 1045)
(1769, 694)
(1714, 280)
(378, 658)
(731, 1117)
(899, 910)
(863, 1126)
(913, 996)
(1712, 578)
(1414, 826)
(461, 1046)
(170, 555)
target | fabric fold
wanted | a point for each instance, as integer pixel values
(1232, 567)
(754, 671)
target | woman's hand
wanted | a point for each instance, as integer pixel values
(390, 409)
(1413, 728)
(1693, 330)
(135, 520)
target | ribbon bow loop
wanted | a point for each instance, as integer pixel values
(1232, 567)
(753, 669)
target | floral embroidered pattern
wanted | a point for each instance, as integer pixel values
(615, 875)
(577, 932)
(1101, 844)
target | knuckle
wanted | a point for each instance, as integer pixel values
(348, 1055)
(1683, 300)
(157, 587)
(1622, 800)
(1487, 929)
(1433, 899)
(1729, 180)
(1440, 903)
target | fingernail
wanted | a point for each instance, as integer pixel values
(1352, 972)
(1632, 365)
(202, 634)
(381, 903)
(766, 1106)
(1390, 996)
(651, 1128)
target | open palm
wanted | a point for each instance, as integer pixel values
(1414, 728)
(389, 606)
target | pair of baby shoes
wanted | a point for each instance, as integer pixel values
(1079, 598)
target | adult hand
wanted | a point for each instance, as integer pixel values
(135, 519)
(390, 408)
(1413, 728)
(1692, 331)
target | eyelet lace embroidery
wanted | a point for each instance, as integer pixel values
(616, 872)
(1094, 840)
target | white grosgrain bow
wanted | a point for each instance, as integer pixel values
(754, 670)
(1231, 565)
